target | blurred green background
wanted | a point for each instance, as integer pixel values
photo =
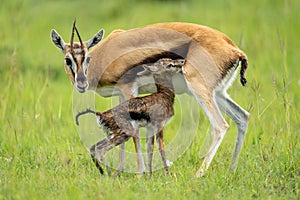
(41, 155)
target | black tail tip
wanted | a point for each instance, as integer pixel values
(243, 81)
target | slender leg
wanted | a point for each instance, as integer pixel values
(140, 160)
(160, 141)
(129, 129)
(150, 146)
(130, 91)
(98, 152)
(219, 125)
(95, 160)
(139, 156)
(201, 79)
(240, 117)
(121, 164)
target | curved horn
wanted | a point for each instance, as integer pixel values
(81, 43)
(72, 37)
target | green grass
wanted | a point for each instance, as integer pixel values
(41, 154)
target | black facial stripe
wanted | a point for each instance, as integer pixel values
(69, 64)
(73, 73)
(77, 62)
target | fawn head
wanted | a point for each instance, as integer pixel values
(164, 66)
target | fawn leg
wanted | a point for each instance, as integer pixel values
(160, 141)
(150, 146)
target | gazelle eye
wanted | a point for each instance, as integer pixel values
(68, 62)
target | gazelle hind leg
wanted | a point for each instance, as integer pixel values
(219, 126)
(202, 78)
(240, 117)
(217, 121)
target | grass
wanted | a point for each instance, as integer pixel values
(42, 156)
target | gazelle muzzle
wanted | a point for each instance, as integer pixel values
(81, 83)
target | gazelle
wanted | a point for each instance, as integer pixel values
(210, 68)
(152, 111)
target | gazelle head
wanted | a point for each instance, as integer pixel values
(77, 56)
(164, 66)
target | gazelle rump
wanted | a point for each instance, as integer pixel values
(152, 111)
(210, 68)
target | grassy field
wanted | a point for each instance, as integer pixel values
(42, 156)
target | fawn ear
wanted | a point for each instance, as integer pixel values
(147, 70)
(57, 40)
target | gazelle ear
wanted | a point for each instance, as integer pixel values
(57, 40)
(95, 39)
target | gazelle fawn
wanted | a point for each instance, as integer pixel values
(211, 63)
(152, 111)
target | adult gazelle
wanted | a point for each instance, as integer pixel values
(211, 62)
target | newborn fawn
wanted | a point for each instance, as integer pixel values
(152, 111)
